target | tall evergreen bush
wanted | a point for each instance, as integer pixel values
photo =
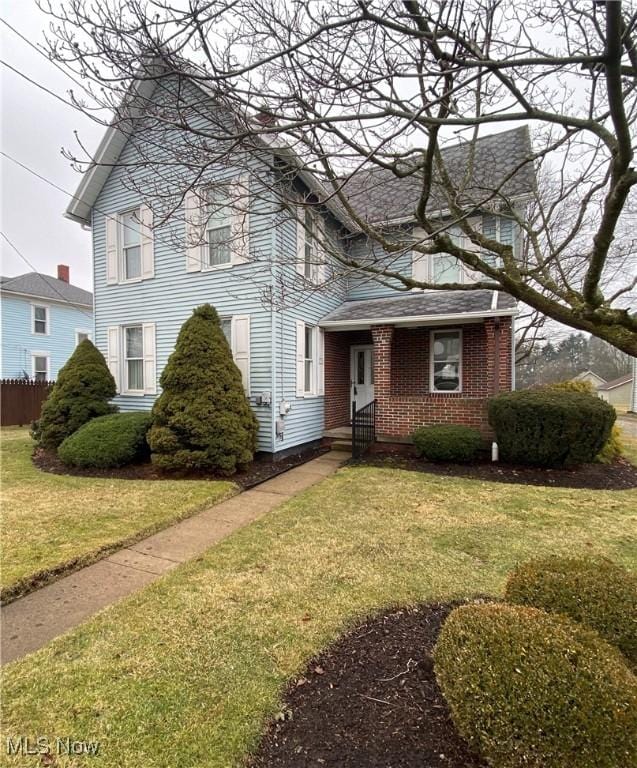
(202, 420)
(82, 391)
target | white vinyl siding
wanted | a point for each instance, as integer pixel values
(40, 323)
(129, 246)
(40, 366)
(445, 369)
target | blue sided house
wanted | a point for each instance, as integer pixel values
(43, 319)
(312, 339)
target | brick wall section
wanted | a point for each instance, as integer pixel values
(401, 377)
(337, 374)
(403, 399)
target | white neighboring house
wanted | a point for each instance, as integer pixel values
(618, 392)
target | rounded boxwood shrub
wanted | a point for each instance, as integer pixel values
(597, 593)
(447, 442)
(82, 392)
(613, 448)
(550, 428)
(108, 441)
(528, 689)
(202, 420)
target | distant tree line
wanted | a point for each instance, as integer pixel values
(577, 352)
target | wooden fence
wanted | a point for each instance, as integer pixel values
(21, 400)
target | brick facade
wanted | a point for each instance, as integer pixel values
(337, 374)
(401, 376)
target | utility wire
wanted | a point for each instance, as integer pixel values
(43, 277)
(52, 93)
(44, 55)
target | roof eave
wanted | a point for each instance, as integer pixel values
(415, 320)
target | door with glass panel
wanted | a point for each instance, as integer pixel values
(362, 373)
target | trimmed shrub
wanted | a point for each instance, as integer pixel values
(597, 593)
(549, 428)
(447, 442)
(202, 420)
(613, 448)
(528, 689)
(108, 441)
(82, 392)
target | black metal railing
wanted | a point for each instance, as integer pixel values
(363, 428)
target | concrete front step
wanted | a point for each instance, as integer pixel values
(341, 445)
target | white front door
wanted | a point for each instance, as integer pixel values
(362, 372)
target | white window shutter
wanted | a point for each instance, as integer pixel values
(240, 225)
(194, 231)
(300, 241)
(112, 249)
(320, 368)
(113, 354)
(148, 250)
(241, 347)
(150, 367)
(320, 269)
(300, 358)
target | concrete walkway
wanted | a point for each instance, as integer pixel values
(32, 621)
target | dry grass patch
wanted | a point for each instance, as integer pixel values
(188, 671)
(54, 522)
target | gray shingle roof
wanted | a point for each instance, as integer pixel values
(625, 379)
(379, 196)
(425, 304)
(47, 287)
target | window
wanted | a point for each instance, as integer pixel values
(41, 320)
(218, 232)
(308, 252)
(131, 239)
(80, 336)
(134, 358)
(226, 327)
(446, 361)
(309, 360)
(446, 269)
(40, 364)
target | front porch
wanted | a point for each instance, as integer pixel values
(419, 370)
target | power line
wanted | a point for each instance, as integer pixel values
(43, 277)
(52, 93)
(43, 54)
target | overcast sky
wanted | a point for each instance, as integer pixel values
(35, 127)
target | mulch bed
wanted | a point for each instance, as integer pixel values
(261, 469)
(620, 475)
(370, 701)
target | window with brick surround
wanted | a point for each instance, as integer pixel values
(446, 361)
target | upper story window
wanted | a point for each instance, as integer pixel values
(129, 246)
(446, 269)
(40, 320)
(40, 364)
(81, 336)
(219, 232)
(131, 239)
(310, 238)
(446, 361)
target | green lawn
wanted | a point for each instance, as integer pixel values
(187, 672)
(50, 521)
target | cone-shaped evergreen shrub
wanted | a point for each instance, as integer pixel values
(202, 420)
(82, 391)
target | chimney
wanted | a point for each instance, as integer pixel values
(64, 273)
